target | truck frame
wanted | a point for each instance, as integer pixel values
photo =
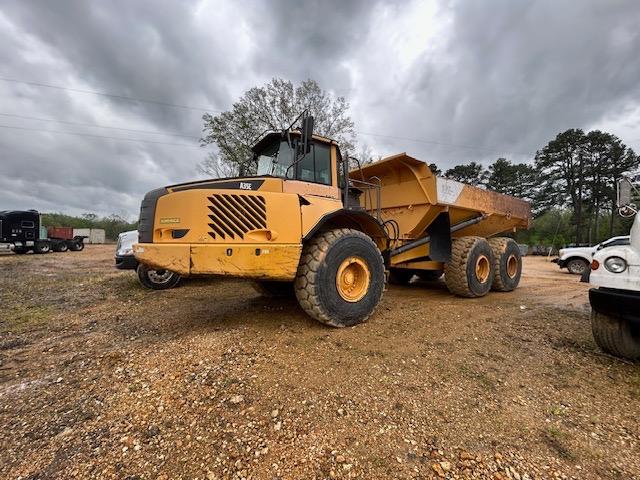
(309, 225)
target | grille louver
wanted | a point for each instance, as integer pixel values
(232, 216)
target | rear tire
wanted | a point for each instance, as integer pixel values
(400, 276)
(616, 336)
(507, 264)
(42, 247)
(274, 289)
(76, 246)
(471, 269)
(60, 247)
(577, 266)
(157, 279)
(340, 278)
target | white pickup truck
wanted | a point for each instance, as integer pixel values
(615, 303)
(578, 259)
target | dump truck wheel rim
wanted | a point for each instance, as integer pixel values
(159, 276)
(483, 269)
(353, 278)
(512, 266)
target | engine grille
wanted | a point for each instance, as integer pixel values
(233, 216)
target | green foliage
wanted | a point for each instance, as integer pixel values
(471, 173)
(434, 169)
(552, 228)
(273, 106)
(571, 186)
(112, 224)
(518, 180)
(579, 171)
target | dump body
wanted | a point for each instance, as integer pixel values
(414, 198)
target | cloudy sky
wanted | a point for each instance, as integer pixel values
(446, 81)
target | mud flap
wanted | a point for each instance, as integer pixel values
(440, 233)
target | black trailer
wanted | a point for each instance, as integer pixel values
(20, 231)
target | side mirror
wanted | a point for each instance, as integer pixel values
(307, 134)
(623, 192)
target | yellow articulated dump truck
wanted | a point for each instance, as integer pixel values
(306, 225)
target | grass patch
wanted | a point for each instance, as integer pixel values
(19, 318)
(558, 410)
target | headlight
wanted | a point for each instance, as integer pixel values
(125, 251)
(615, 264)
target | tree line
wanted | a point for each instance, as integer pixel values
(112, 225)
(575, 172)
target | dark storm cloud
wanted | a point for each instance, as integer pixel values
(502, 77)
(310, 39)
(512, 74)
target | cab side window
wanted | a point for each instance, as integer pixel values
(323, 164)
(315, 166)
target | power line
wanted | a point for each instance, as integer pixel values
(444, 144)
(100, 136)
(12, 115)
(111, 95)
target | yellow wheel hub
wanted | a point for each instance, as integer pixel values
(483, 269)
(512, 266)
(353, 278)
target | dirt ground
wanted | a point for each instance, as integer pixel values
(102, 379)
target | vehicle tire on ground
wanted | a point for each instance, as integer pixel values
(157, 279)
(507, 264)
(76, 246)
(340, 278)
(20, 250)
(577, 266)
(429, 275)
(42, 247)
(60, 247)
(616, 336)
(471, 269)
(273, 289)
(400, 276)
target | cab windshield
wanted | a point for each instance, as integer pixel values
(275, 159)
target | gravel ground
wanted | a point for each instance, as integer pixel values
(102, 379)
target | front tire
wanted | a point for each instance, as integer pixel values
(157, 279)
(616, 336)
(471, 269)
(577, 266)
(20, 250)
(340, 278)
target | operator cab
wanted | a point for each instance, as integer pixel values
(276, 156)
(311, 164)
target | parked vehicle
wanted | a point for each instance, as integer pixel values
(306, 225)
(22, 232)
(615, 303)
(578, 259)
(125, 260)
